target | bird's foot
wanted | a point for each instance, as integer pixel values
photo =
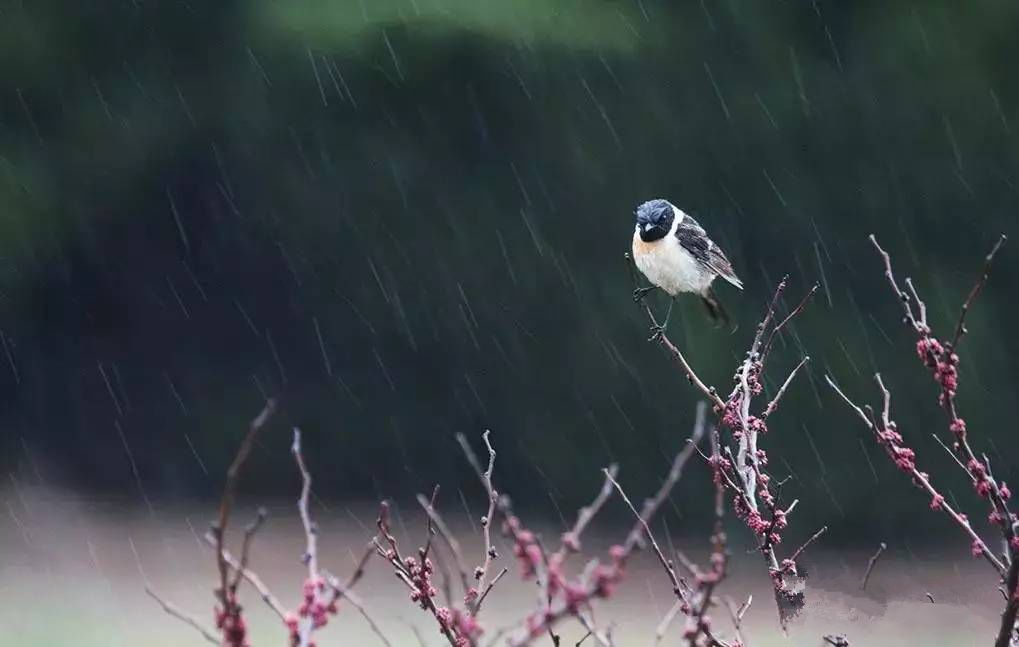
(657, 332)
(640, 293)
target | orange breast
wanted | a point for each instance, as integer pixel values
(641, 248)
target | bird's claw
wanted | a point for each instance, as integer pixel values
(639, 293)
(657, 331)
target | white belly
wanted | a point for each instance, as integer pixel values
(666, 264)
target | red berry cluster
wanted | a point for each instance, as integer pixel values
(231, 623)
(462, 626)
(421, 576)
(318, 605)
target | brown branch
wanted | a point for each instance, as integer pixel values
(421, 593)
(870, 565)
(941, 360)
(650, 507)
(488, 589)
(642, 522)
(663, 626)
(903, 297)
(960, 327)
(183, 616)
(486, 523)
(307, 622)
(571, 538)
(793, 313)
(310, 527)
(736, 614)
(341, 590)
(604, 575)
(250, 577)
(673, 350)
(249, 534)
(923, 481)
(438, 526)
(226, 502)
(804, 545)
(770, 409)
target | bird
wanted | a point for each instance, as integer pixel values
(676, 255)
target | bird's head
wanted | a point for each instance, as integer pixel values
(654, 219)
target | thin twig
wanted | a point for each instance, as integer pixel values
(803, 546)
(870, 565)
(770, 409)
(250, 577)
(249, 534)
(923, 480)
(960, 327)
(488, 589)
(343, 590)
(643, 523)
(226, 502)
(571, 538)
(663, 626)
(673, 350)
(650, 507)
(440, 528)
(185, 617)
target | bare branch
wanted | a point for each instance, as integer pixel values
(343, 590)
(770, 409)
(183, 616)
(782, 324)
(960, 327)
(870, 565)
(230, 607)
(444, 533)
(796, 554)
(663, 626)
(650, 507)
(673, 350)
(642, 522)
(923, 481)
(249, 534)
(250, 577)
(571, 538)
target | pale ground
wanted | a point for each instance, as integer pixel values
(69, 576)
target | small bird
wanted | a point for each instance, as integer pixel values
(676, 255)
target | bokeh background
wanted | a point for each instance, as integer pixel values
(407, 219)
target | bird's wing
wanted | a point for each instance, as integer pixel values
(694, 240)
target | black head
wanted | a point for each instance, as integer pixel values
(654, 219)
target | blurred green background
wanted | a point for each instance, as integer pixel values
(407, 218)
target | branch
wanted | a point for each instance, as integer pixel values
(183, 616)
(770, 409)
(250, 577)
(918, 326)
(249, 534)
(343, 590)
(650, 507)
(960, 327)
(793, 313)
(571, 538)
(922, 480)
(443, 531)
(870, 565)
(673, 350)
(230, 607)
(642, 522)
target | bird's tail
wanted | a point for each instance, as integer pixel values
(717, 313)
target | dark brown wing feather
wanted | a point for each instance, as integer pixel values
(694, 239)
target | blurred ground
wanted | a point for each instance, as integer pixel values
(71, 574)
